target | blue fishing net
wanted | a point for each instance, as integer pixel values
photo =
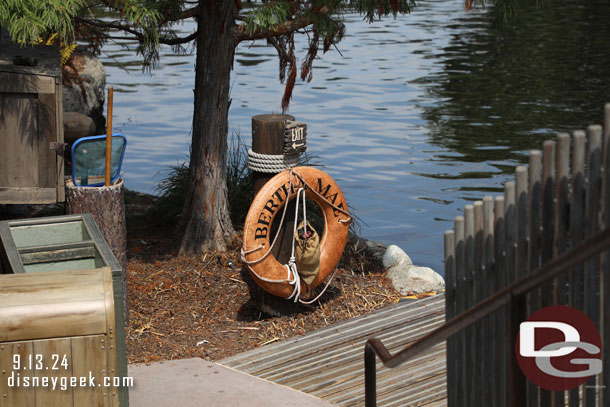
(89, 159)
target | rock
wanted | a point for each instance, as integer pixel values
(408, 278)
(77, 125)
(84, 87)
(395, 256)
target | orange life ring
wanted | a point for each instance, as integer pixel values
(264, 268)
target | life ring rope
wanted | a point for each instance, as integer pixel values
(291, 268)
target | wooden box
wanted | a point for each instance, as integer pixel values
(55, 326)
(58, 243)
(31, 124)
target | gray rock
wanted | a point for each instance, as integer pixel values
(84, 87)
(408, 278)
(77, 125)
(395, 256)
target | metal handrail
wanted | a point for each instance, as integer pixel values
(507, 295)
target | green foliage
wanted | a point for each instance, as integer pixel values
(267, 16)
(29, 21)
(379, 8)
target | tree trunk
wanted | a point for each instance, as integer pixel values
(206, 220)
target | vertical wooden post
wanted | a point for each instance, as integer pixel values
(450, 313)
(535, 195)
(268, 138)
(500, 343)
(591, 278)
(460, 304)
(605, 275)
(469, 337)
(562, 162)
(577, 213)
(488, 288)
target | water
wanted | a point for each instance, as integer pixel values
(416, 117)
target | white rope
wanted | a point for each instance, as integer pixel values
(291, 267)
(271, 163)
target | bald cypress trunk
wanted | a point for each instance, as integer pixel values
(207, 224)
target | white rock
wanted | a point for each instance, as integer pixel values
(395, 256)
(409, 279)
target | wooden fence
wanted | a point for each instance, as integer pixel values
(560, 199)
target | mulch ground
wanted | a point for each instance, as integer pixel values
(200, 306)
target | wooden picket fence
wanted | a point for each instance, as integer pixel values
(560, 199)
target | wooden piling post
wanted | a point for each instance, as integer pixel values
(268, 133)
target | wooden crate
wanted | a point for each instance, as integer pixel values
(57, 325)
(57, 243)
(31, 125)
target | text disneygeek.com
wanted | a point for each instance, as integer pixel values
(65, 382)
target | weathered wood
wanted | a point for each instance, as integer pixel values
(268, 138)
(605, 276)
(577, 214)
(15, 396)
(328, 362)
(521, 222)
(268, 133)
(510, 219)
(534, 213)
(562, 162)
(605, 266)
(460, 303)
(470, 332)
(561, 210)
(46, 396)
(67, 314)
(501, 350)
(107, 205)
(510, 230)
(487, 288)
(31, 149)
(478, 283)
(53, 304)
(591, 276)
(89, 355)
(449, 250)
(547, 234)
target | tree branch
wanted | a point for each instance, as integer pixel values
(138, 35)
(284, 28)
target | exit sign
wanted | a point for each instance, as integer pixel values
(295, 137)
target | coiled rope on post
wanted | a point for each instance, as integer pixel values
(270, 163)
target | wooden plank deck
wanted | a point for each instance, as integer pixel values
(329, 363)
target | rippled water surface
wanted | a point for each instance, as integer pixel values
(414, 118)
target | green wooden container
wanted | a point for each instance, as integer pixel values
(71, 242)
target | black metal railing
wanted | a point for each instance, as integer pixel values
(513, 295)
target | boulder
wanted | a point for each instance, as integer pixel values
(408, 278)
(395, 256)
(77, 125)
(84, 82)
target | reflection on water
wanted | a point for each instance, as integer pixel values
(418, 116)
